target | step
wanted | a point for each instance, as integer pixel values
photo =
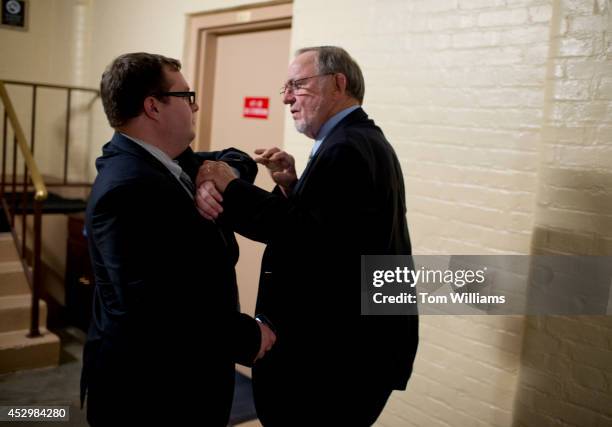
(18, 352)
(12, 279)
(15, 312)
(8, 252)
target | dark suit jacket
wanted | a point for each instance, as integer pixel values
(166, 329)
(349, 201)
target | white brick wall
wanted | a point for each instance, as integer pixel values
(488, 143)
(566, 374)
(458, 87)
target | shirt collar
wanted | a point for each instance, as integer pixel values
(329, 125)
(171, 165)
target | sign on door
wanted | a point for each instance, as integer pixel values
(256, 108)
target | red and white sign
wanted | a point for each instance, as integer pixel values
(256, 108)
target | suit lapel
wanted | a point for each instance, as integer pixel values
(121, 143)
(355, 116)
(303, 178)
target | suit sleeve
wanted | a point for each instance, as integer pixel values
(344, 191)
(237, 159)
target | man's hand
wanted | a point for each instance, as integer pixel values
(268, 338)
(280, 164)
(217, 172)
(208, 201)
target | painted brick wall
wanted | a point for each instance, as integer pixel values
(474, 95)
(566, 366)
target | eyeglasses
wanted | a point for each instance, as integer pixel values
(295, 85)
(190, 95)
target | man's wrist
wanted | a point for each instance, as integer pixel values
(236, 171)
(287, 189)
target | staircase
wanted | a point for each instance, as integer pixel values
(25, 342)
(17, 350)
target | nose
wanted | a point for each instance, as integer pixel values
(195, 107)
(288, 97)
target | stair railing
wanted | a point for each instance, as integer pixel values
(31, 178)
(32, 174)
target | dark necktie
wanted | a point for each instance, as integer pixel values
(187, 183)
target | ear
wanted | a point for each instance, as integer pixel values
(150, 107)
(340, 82)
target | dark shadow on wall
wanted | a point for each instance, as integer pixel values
(566, 362)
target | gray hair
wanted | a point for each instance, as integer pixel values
(333, 59)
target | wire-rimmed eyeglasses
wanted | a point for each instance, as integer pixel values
(295, 85)
(191, 96)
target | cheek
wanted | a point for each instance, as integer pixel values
(313, 110)
(306, 108)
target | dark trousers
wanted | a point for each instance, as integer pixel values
(374, 401)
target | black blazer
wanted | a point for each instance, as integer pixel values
(348, 202)
(166, 329)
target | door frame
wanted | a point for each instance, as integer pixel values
(202, 31)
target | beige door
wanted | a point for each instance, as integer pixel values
(249, 65)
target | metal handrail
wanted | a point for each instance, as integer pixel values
(32, 173)
(40, 194)
(69, 89)
(50, 86)
(39, 185)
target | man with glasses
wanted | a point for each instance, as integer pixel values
(329, 366)
(166, 328)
